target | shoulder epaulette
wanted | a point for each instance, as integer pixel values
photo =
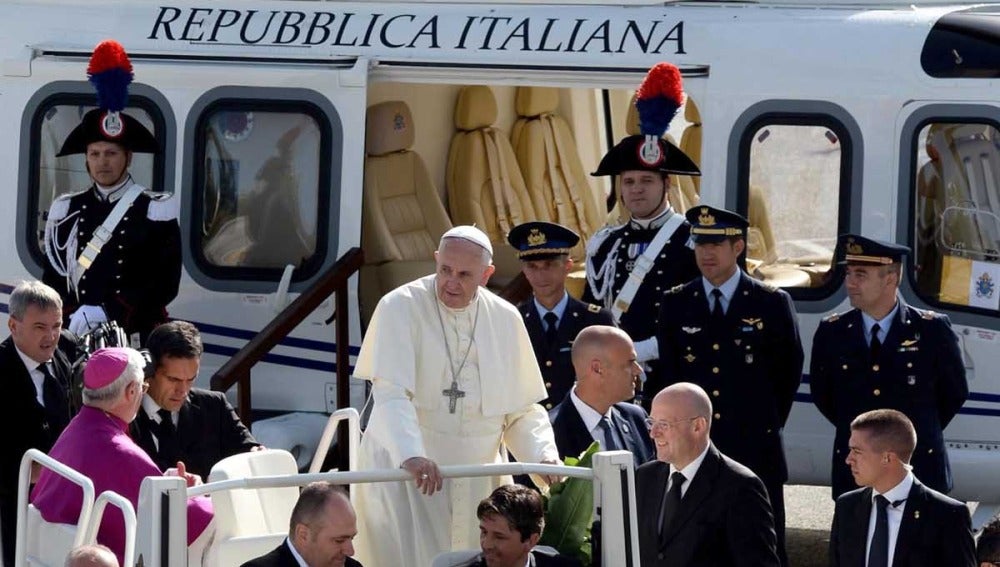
(162, 206)
(768, 286)
(595, 242)
(928, 314)
(831, 318)
(593, 308)
(60, 206)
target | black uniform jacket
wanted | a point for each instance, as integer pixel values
(936, 531)
(137, 272)
(281, 556)
(750, 364)
(555, 359)
(208, 431)
(573, 437)
(919, 372)
(723, 519)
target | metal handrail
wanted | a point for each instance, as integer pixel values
(333, 281)
(128, 513)
(353, 438)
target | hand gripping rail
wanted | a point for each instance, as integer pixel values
(353, 438)
(24, 485)
(163, 544)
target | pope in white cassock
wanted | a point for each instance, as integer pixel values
(455, 382)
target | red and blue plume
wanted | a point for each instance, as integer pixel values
(659, 98)
(110, 72)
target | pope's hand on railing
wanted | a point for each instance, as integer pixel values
(552, 479)
(425, 472)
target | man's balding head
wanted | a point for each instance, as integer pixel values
(681, 416)
(93, 555)
(606, 369)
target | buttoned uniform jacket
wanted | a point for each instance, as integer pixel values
(724, 517)
(208, 430)
(573, 437)
(138, 270)
(919, 372)
(675, 264)
(28, 425)
(935, 530)
(750, 365)
(555, 360)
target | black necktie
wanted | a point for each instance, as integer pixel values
(551, 320)
(610, 441)
(672, 501)
(876, 344)
(717, 312)
(53, 398)
(166, 436)
(878, 551)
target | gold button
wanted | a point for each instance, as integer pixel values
(548, 384)
(715, 346)
(689, 348)
(909, 365)
(875, 367)
(715, 370)
(931, 450)
(715, 393)
(877, 392)
(844, 367)
(718, 416)
(658, 272)
(548, 363)
(548, 406)
(657, 288)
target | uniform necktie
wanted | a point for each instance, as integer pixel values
(551, 320)
(610, 441)
(56, 411)
(876, 344)
(166, 436)
(672, 501)
(717, 312)
(878, 551)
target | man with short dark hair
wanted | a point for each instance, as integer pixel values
(178, 422)
(894, 519)
(511, 520)
(988, 546)
(595, 409)
(695, 505)
(36, 377)
(886, 354)
(321, 531)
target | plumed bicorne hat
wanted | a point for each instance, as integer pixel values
(658, 99)
(110, 71)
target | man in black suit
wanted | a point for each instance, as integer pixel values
(511, 520)
(320, 533)
(894, 519)
(738, 339)
(913, 363)
(593, 410)
(553, 318)
(178, 422)
(696, 506)
(37, 377)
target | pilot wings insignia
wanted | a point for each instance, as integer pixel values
(691, 330)
(751, 321)
(909, 342)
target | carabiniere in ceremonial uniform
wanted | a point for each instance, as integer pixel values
(543, 248)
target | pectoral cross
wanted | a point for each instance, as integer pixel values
(453, 394)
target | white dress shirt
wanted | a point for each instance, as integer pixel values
(883, 324)
(688, 471)
(894, 514)
(36, 375)
(151, 408)
(295, 553)
(591, 418)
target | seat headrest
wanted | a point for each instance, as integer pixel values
(476, 108)
(535, 101)
(632, 119)
(691, 113)
(389, 129)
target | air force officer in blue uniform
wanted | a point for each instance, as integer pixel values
(886, 354)
(738, 339)
(553, 318)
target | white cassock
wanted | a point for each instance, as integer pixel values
(405, 357)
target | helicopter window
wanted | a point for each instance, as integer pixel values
(259, 174)
(793, 197)
(957, 214)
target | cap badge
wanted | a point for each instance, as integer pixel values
(536, 238)
(853, 247)
(112, 125)
(650, 153)
(706, 219)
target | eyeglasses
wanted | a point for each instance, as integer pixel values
(667, 425)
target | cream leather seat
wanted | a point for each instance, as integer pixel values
(49, 543)
(550, 164)
(762, 254)
(484, 182)
(691, 138)
(403, 217)
(250, 522)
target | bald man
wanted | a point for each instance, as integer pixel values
(697, 506)
(604, 361)
(93, 555)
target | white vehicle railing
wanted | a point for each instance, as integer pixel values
(24, 485)
(353, 438)
(164, 544)
(128, 512)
